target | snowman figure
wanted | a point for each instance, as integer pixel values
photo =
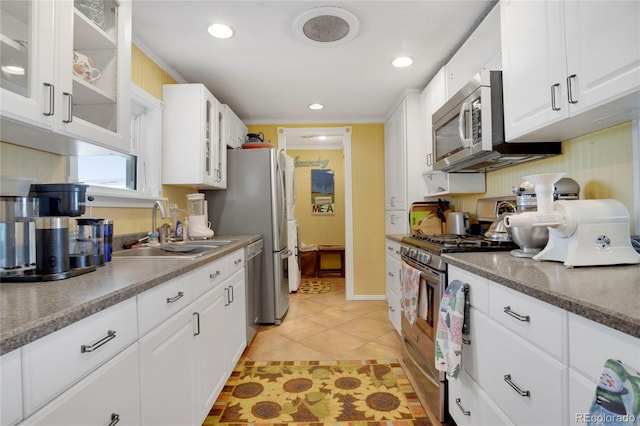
(617, 400)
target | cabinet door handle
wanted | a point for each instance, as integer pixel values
(507, 378)
(69, 97)
(554, 89)
(197, 315)
(524, 318)
(212, 276)
(232, 295)
(465, 412)
(226, 301)
(52, 93)
(390, 274)
(237, 262)
(115, 419)
(175, 298)
(570, 80)
(393, 201)
(111, 334)
(466, 341)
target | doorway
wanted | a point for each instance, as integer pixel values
(320, 138)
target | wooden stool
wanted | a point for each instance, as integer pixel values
(330, 249)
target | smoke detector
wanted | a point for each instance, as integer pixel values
(326, 26)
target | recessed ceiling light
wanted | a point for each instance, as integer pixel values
(316, 106)
(402, 61)
(13, 70)
(322, 138)
(220, 31)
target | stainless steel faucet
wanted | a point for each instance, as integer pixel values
(156, 205)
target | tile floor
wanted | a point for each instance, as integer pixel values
(328, 327)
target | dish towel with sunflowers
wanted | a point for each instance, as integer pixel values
(617, 399)
(453, 322)
(409, 291)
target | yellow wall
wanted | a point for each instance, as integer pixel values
(601, 162)
(367, 175)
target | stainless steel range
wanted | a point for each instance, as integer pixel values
(423, 252)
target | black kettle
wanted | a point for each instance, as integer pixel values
(255, 137)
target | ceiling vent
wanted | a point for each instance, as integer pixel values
(326, 26)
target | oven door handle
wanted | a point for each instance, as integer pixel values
(425, 273)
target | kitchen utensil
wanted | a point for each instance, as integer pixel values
(564, 189)
(60, 199)
(581, 232)
(530, 239)
(497, 231)
(18, 232)
(199, 225)
(458, 223)
(84, 69)
(52, 245)
(255, 137)
(91, 233)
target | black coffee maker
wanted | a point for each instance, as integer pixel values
(57, 202)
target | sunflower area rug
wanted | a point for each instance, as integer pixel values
(318, 392)
(314, 287)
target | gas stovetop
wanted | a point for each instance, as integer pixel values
(452, 243)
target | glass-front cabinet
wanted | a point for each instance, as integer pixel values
(65, 66)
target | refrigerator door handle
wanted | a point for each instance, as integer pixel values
(287, 254)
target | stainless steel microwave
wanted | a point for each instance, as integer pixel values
(468, 131)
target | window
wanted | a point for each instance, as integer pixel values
(127, 180)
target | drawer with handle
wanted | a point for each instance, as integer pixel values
(55, 362)
(235, 262)
(536, 321)
(159, 303)
(525, 382)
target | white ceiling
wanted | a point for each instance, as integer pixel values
(268, 75)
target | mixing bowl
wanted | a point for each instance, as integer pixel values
(530, 239)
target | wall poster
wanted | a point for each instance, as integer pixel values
(322, 192)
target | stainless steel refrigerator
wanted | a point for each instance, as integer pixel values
(255, 203)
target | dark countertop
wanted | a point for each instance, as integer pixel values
(609, 295)
(29, 311)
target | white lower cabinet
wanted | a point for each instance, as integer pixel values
(186, 360)
(526, 383)
(53, 363)
(10, 388)
(530, 361)
(393, 270)
(470, 405)
(222, 339)
(167, 371)
(108, 396)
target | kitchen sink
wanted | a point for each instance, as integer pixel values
(166, 251)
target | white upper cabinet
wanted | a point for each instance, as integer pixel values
(395, 148)
(481, 51)
(76, 72)
(192, 148)
(234, 130)
(569, 60)
(27, 44)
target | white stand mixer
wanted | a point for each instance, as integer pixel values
(581, 232)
